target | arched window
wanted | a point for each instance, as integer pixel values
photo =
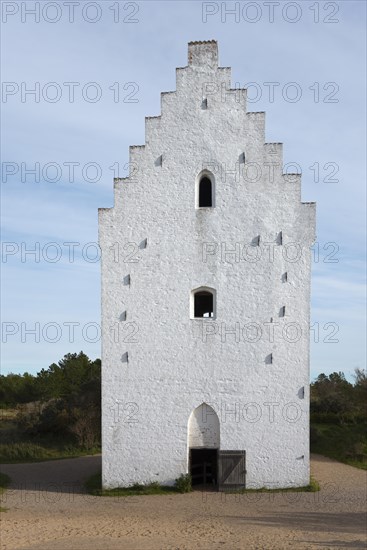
(205, 192)
(203, 303)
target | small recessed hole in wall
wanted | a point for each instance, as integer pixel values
(256, 241)
(205, 192)
(282, 311)
(204, 104)
(143, 244)
(301, 393)
(123, 316)
(302, 457)
(280, 237)
(271, 319)
(269, 359)
(159, 161)
(242, 158)
(285, 277)
(126, 280)
(125, 357)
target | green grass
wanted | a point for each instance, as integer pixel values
(15, 453)
(4, 482)
(312, 487)
(346, 443)
(94, 487)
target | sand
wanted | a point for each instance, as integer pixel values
(47, 509)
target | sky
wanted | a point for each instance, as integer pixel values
(78, 78)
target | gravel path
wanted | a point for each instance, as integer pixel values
(48, 510)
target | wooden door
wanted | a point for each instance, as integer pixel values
(231, 470)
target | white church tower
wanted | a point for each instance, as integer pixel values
(206, 269)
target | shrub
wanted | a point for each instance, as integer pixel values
(183, 483)
(28, 417)
(314, 435)
(86, 427)
(325, 418)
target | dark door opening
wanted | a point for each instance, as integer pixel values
(204, 467)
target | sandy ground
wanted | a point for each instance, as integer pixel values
(47, 509)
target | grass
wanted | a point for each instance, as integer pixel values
(94, 487)
(8, 414)
(4, 482)
(25, 451)
(345, 443)
(312, 487)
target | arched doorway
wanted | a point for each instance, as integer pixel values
(203, 445)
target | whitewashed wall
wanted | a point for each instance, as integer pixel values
(158, 364)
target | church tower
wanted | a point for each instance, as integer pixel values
(206, 270)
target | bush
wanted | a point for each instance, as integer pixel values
(62, 418)
(28, 417)
(183, 483)
(346, 443)
(86, 426)
(314, 435)
(325, 418)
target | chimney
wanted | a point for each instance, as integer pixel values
(203, 54)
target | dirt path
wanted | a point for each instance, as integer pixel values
(49, 511)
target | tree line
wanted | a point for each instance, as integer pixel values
(70, 376)
(62, 401)
(334, 400)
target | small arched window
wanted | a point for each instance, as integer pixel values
(203, 303)
(205, 192)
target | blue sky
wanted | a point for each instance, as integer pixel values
(326, 126)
